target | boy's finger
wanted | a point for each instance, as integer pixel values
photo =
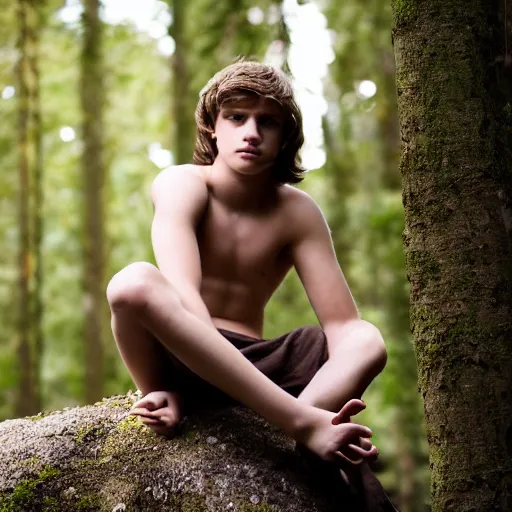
(341, 456)
(151, 421)
(351, 408)
(360, 430)
(146, 404)
(154, 400)
(352, 432)
(365, 453)
(141, 411)
(365, 443)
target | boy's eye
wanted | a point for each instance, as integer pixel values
(236, 117)
(268, 121)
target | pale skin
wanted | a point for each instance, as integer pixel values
(224, 237)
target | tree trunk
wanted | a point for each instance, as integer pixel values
(457, 185)
(30, 214)
(93, 172)
(182, 113)
(387, 119)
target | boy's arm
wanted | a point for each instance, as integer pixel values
(356, 348)
(180, 196)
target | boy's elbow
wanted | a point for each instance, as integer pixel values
(375, 347)
(381, 354)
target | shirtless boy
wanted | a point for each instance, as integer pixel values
(225, 233)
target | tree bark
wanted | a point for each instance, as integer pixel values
(93, 174)
(30, 214)
(452, 85)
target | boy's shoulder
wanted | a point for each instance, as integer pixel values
(185, 172)
(302, 214)
(297, 202)
(184, 176)
(180, 184)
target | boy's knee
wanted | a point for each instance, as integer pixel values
(376, 350)
(131, 286)
(368, 344)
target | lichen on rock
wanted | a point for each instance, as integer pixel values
(98, 458)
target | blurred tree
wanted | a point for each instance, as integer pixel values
(30, 209)
(62, 368)
(93, 175)
(226, 33)
(9, 216)
(136, 126)
(454, 96)
(366, 218)
(182, 108)
(137, 120)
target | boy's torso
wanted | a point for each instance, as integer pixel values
(244, 258)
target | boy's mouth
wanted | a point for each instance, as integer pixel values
(250, 150)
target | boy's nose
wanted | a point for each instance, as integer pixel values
(252, 133)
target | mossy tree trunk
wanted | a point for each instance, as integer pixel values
(30, 214)
(453, 81)
(93, 175)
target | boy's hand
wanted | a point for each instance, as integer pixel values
(161, 411)
(334, 440)
(351, 408)
(354, 456)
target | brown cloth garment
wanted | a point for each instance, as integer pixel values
(291, 361)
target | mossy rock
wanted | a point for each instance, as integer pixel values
(98, 458)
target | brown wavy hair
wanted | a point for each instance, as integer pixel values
(239, 80)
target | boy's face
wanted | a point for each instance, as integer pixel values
(248, 134)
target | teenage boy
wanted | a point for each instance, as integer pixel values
(226, 231)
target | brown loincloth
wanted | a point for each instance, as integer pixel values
(290, 361)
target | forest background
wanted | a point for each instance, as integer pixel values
(109, 102)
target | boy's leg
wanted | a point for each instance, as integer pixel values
(352, 365)
(141, 352)
(142, 291)
(350, 368)
(151, 371)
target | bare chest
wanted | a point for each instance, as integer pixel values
(242, 248)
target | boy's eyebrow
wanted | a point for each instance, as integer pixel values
(237, 107)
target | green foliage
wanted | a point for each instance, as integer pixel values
(367, 231)
(8, 218)
(358, 189)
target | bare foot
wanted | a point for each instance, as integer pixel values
(161, 411)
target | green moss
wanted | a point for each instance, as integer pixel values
(188, 502)
(32, 461)
(190, 435)
(404, 11)
(39, 416)
(261, 507)
(131, 423)
(424, 319)
(128, 431)
(88, 502)
(50, 504)
(87, 431)
(24, 494)
(122, 401)
(117, 402)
